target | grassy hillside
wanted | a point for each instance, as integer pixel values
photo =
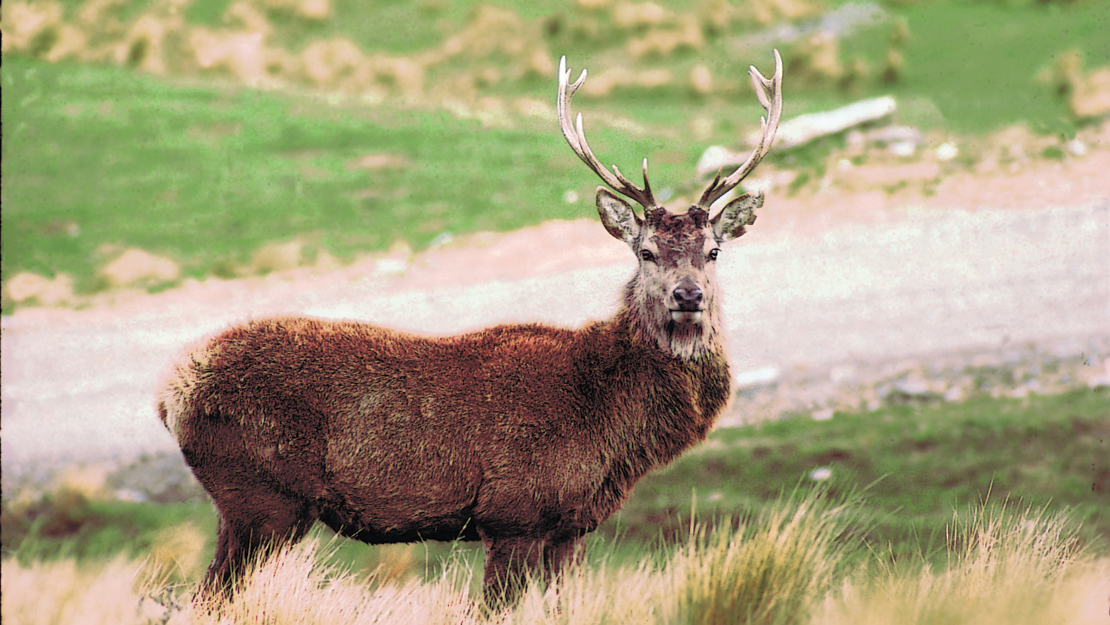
(203, 133)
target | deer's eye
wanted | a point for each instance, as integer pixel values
(713, 253)
(647, 255)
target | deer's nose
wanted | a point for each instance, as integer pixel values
(687, 296)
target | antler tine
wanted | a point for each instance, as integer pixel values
(769, 93)
(576, 137)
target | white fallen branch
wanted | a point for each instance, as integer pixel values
(801, 130)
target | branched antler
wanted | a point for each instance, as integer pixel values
(769, 93)
(576, 137)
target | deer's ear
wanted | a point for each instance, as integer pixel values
(730, 223)
(617, 216)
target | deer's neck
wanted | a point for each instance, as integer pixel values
(659, 403)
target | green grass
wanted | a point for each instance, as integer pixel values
(98, 158)
(977, 62)
(92, 529)
(912, 465)
(789, 565)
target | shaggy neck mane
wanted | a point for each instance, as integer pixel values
(658, 404)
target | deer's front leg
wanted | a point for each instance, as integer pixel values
(510, 564)
(558, 556)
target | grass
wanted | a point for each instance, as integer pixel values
(1001, 568)
(915, 465)
(1007, 565)
(769, 569)
(97, 159)
(236, 169)
(977, 62)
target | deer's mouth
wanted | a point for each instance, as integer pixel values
(686, 316)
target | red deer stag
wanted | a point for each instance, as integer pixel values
(525, 437)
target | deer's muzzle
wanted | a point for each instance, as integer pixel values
(687, 300)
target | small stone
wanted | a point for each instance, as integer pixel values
(764, 376)
(820, 474)
(903, 148)
(1076, 147)
(947, 152)
(390, 267)
(954, 394)
(895, 134)
(443, 238)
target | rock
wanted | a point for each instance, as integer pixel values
(954, 394)
(1075, 147)
(799, 131)
(805, 128)
(908, 391)
(904, 149)
(823, 415)
(947, 152)
(893, 134)
(820, 474)
(764, 376)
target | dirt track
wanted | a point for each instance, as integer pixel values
(920, 283)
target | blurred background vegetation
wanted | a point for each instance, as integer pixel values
(185, 136)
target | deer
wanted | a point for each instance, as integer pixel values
(525, 437)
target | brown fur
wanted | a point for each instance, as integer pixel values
(526, 437)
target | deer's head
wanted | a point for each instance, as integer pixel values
(672, 296)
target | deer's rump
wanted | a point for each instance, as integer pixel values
(387, 437)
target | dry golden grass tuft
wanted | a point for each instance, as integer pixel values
(784, 565)
(177, 553)
(294, 587)
(1004, 568)
(770, 569)
(494, 45)
(50, 593)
